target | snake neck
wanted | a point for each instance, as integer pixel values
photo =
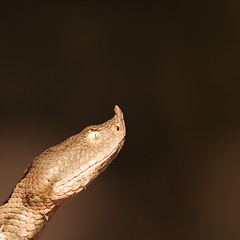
(21, 222)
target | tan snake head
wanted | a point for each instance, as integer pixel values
(95, 147)
(80, 158)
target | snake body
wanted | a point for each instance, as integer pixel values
(57, 175)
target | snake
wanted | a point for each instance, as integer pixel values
(57, 175)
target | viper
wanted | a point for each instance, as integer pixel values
(57, 175)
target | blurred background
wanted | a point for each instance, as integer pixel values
(173, 68)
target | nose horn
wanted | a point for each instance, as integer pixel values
(120, 118)
(118, 112)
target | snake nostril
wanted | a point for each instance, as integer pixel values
(115, 127)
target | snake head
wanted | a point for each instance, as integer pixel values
(87, 154)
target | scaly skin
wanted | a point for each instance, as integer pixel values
(57, 175)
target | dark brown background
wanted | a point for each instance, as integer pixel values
(173, 67)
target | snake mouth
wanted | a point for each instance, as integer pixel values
(120, 145)
(102, 164)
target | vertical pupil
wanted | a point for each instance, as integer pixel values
(94, 137)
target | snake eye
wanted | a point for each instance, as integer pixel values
(94, 137)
